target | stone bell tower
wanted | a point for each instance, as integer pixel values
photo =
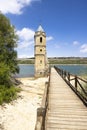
(40, 52)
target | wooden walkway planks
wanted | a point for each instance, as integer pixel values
(65, 110)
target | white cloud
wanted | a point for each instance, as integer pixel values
(76, 43)
(25, 56)
(14, 6)
(26, 38)
(49, 38)
(26, 42)
(83, 48)
(26, 33)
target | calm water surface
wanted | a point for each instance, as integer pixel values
(80, 70)
(28, 70)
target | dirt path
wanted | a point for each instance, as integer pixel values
(21, 114)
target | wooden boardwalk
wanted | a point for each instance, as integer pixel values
(65, 110)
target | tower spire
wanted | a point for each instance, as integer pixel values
(40, 29)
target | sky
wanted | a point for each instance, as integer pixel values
(64, 22)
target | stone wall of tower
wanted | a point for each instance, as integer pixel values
(40, 53)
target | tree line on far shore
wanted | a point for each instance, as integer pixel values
(60, 60)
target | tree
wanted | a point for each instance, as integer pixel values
(8, 54)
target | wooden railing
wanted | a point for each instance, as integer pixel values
(41, 112)
(78, 85)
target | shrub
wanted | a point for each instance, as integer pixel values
(8, 94)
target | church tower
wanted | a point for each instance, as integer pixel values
(40, 52)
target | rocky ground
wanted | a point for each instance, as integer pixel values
(21, 113)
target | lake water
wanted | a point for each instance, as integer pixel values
(80, 70)
(28, 70)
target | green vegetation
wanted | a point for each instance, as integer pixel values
(8, 62)
(8, 94)
(60, 60)
(27, 61)
(68, 60)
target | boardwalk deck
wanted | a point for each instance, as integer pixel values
(65, 110)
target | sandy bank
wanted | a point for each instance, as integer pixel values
(21, 114)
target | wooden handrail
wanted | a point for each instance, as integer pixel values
(77, 87)
(41, 112)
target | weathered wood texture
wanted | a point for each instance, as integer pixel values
(41, 112)
(65, 110)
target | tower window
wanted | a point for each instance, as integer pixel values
(40, 61)
(41, 39)
(40, 50)
(40, 73)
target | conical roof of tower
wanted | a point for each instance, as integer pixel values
(40, 29)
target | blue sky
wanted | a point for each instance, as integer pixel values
(64, 21)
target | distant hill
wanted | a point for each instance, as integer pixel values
(56, 60)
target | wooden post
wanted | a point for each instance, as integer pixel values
(62, 73)
(69, 77)
(40, 118)
(76, 82)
